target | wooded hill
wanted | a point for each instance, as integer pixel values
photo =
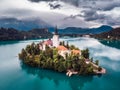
(112, 35)
(13, 34)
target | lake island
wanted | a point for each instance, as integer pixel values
(58, 55)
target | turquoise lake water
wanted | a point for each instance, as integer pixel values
(14, 75)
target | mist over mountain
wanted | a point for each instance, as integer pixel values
(23, 24)
(29, 24)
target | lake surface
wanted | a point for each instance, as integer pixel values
(14, 75)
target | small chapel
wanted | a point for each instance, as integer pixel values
(54, 42)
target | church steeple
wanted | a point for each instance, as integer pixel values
(56, 31)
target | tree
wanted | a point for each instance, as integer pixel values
(89, 69)
(60, 68)
(99, 68)
(60, 43)
(28, 49)
(72, 47)
(67, 45)
(91, 59)
(23, 54)
(37, 50)
(85, 53)
(63, 43)
(69, 65)
(97, 62)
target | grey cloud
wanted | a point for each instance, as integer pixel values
(22, 24)
(88, 15)
(91, 15)
(111, 6)
(112, 21)
(40, 0)
(74, 2)
(94, 4)
(72, 16)
(55, 6)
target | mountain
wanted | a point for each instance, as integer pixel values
(40, 33)
(113, 34)
(29, 24)
(14, 34)
(75, 30)
(23, 24)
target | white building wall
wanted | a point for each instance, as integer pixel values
(55, 40)
(44, 46)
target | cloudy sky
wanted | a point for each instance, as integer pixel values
(64, 13)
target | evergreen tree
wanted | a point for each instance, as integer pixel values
(85, 53)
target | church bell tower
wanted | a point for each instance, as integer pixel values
(56, 38)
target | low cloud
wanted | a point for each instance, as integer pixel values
(64, 13)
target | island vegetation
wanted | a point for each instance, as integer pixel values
(76, 63)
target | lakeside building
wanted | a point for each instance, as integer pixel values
(51, 43)
(62, 50)
(55, 42)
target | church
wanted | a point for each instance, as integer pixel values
(51, 43)
(54, 42)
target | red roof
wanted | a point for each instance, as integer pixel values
(61, 48)
(76, 51)
(48, 42)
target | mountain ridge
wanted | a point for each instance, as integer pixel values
(79, 30)
(114, 34)
(28, 24)
(14, 34)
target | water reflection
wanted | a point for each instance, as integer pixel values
(109, 56)
(75, 82)
(96, 48)
(10, 69)
(8, 42)
(21, 41)
(112, 43)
